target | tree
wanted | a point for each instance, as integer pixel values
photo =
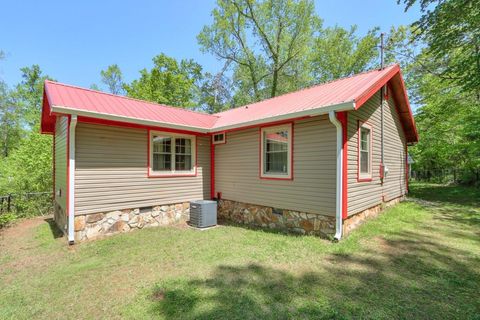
(215, 93)
(10, 129)
(28, 95)
(113, 79)
(263, 40)
(168, 82)
(339, 52)
(451, 31)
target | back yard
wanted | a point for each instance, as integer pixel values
(420, 260)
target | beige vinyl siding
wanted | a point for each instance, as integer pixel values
(313, 187)
(111, 172)
(61, 131)
(364, 195)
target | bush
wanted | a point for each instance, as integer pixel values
(28, 169)
(6, 218)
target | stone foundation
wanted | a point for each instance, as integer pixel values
(95, 225)
(279, 219)
(354, 221)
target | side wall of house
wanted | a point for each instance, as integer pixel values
(111, 172)
(365, 195)
(312, 189)
(60, 159)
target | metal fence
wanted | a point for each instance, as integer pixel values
(27, 204)
(463, 176)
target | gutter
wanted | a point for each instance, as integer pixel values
(71, 179)
(339, 179)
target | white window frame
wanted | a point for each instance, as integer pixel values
(365, 176)
(172, 172)
(265, 130)
(220, 141)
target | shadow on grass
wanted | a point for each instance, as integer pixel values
(417, 274)
(452, 203)
(408, 277)
(56, 232)
(451, 194)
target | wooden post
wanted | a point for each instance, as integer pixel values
(9, 200)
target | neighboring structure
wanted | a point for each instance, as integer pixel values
(316, 161)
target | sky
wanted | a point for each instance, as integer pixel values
(72, 41)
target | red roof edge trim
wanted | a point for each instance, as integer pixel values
(47, 125)
(376, 86)
(410, 113)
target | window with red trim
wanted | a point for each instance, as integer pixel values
(171, 154)
(276, 152)
(364, 151)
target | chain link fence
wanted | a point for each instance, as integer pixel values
(27, 204)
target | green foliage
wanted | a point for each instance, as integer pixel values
(6, 219)
(113, 79)
(265, 40)
(451, 31)
(10, 122)
(275, 47)
(28, 169)
(339, 52)
(28, 95)
(444, 80)
(168, 82)
(215, 93)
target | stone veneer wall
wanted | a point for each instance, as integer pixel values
(92, 226)
(268, 217)
(294, 221)
(354, 221)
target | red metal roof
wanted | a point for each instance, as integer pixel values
(342, 94)
(91, 102)
(320, 96)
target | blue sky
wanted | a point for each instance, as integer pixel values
(73, 40)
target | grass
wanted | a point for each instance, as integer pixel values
(421, 259)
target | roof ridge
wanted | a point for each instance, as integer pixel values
(128, 98)
(309, 87)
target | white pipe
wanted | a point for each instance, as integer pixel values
(338, 197)
(71, 180)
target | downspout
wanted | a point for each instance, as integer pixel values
(382, 158)
(212, 168)
(71, 180)
(339, 178)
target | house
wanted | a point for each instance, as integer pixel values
(316, 161)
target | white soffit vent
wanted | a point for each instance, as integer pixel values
(218, 138)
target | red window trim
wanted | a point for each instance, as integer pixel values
(260, 155)
(360, 124)
(150, 175)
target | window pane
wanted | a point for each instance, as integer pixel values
(183, 162)
(183, 154)
(364, 162)
(364, 139)
(162, 162)
(162, 147)
(162, 144)
(276, 152)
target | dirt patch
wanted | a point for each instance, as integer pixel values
(158, 295)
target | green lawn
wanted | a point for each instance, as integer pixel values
(421, 259)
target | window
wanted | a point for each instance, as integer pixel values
(171, 154)
(218, 138)
(364, 152)
(276, 152)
